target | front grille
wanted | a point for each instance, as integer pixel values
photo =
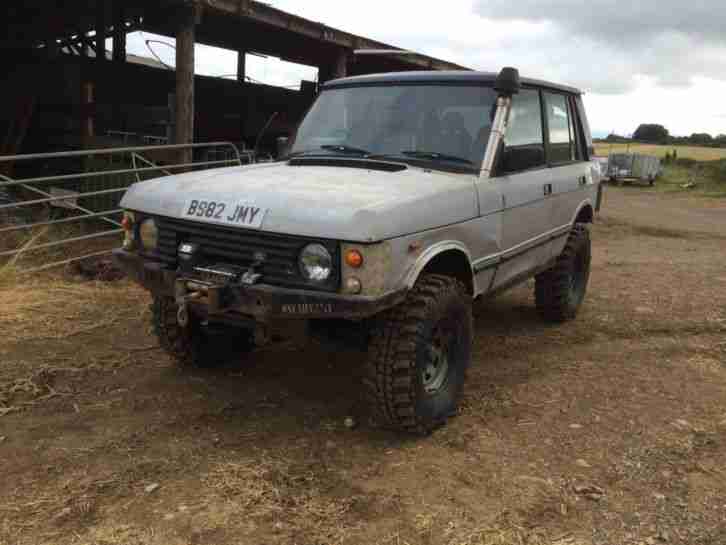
(231, 246)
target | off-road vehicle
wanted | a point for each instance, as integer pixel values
(404, 197)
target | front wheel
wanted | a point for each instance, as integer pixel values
(195, 345)
(418, 356)
(559, 291)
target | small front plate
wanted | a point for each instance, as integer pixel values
(238, 214)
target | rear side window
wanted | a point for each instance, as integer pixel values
(524, 142)
(560, 129)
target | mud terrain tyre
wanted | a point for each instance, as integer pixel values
(418, 356)
(193, 346)
(559, 291)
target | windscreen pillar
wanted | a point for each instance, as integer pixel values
(184, 113)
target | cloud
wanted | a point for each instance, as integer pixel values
(639, 60)
(628, 22)
(609, 43)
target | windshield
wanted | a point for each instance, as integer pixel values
(446, 126)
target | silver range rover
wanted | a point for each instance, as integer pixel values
(404, 198)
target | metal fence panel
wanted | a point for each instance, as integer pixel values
(90, 184)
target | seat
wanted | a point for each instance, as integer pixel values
(432, 132)
(456, 139)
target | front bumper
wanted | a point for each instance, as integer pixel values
(259, 301)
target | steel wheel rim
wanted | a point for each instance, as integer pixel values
(436, 371)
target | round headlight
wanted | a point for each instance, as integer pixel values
(149, 234)
(316, 263)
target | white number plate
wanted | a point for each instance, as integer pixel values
(224, 212)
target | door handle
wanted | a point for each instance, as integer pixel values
(547, 190)
(582, 180)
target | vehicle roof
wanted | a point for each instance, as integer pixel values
(453, 76)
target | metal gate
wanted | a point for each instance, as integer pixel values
(86, 194)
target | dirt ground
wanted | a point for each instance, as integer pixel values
(607, 430)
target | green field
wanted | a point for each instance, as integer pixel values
(698, 153)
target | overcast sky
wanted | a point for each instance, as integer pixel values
(639, 62)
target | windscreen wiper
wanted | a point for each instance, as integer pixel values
(435, 155)
(342, 148)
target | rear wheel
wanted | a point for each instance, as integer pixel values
(418, 356)
(559, 291)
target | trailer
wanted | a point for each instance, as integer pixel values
(629, 167)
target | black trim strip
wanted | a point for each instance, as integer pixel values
(518, 279)
(502, 257)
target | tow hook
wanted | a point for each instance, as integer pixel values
(183, 297)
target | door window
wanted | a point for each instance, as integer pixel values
(561, 132)
(523, 143)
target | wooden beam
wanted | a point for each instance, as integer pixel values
(185, 39)
(268, 15)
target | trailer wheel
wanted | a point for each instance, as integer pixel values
(418, 356)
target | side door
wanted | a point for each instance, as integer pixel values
(525, 183)
(572, 180)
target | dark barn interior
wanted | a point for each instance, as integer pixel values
(64, 88)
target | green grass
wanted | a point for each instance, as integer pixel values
(709, 179)
(704, 167)
(697, 153)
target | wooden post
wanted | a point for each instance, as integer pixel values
(119, 36)
(87, 122)
(241, 66)
(324, 73)
(185, 38)
(170, 126)
(85, 48)
(334, 70)
(340, 69)
(101, 32)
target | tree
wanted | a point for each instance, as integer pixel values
(612, 137)
(652, 132)
(701, 138)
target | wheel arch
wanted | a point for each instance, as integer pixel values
(450, 259)
(585, 213)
